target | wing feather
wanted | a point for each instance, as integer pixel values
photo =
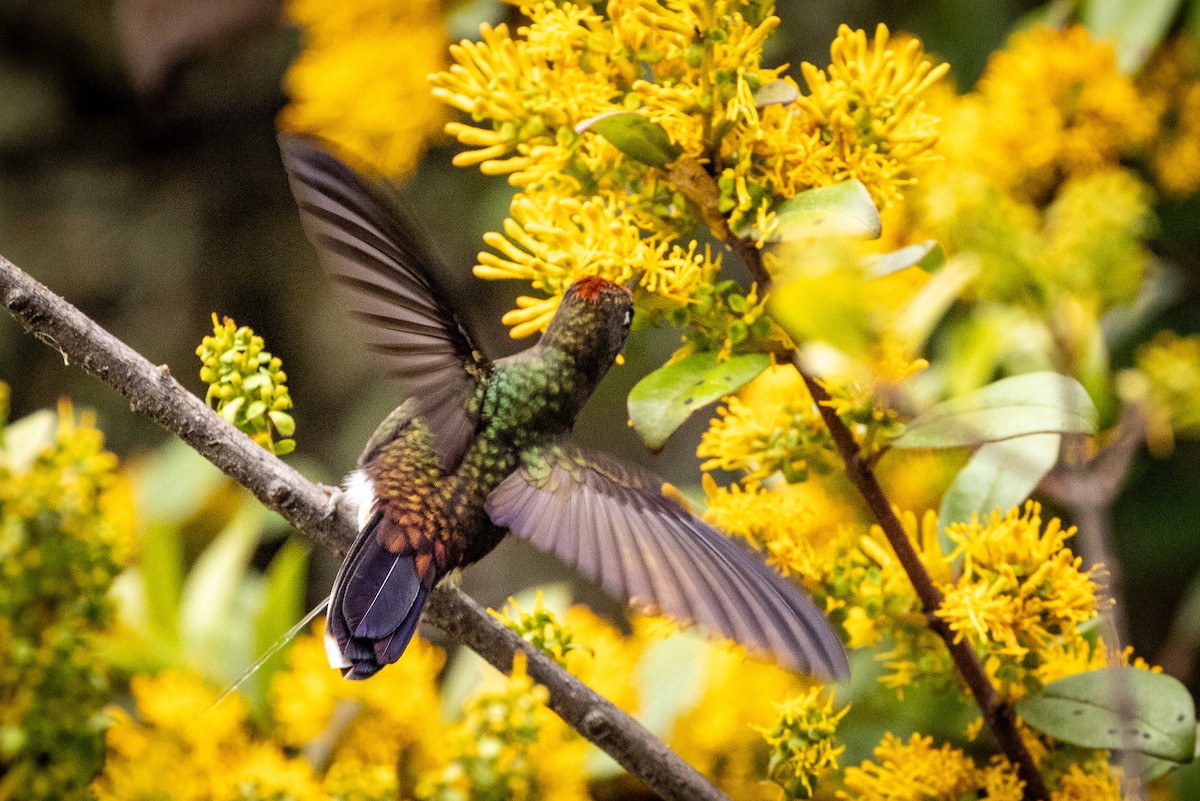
(611, 520)
(382, 270)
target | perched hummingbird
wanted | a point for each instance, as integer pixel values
(482, 448)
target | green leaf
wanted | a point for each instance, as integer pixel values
(25, 440)
(843, 209)
(635, 136)
(1000, 475)
(661, 402)
(160, 563)
(927, 255)
(1118, 709)
(1136, 26)
(211, 589)
(1035, 403)
(778, 92)
(283, 604)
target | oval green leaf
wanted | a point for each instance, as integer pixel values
(1035, 403)
(1000, 475)
(635, 136)
(843, 209)
(661, 402)
(1118, 709)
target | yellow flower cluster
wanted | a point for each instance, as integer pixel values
(692, 67)
(917, 771)
(1171, 81)
(771, 426)
(1171, 366)
(360, 83)
(66, 518)
(864, 119)
(803, 743)
(207, 751)
(490, 750)
(540, 628)
(1021, 590)
(248, 385)
(1051, 105)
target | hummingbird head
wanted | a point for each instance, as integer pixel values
(591, 324)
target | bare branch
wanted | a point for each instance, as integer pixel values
(152, 391)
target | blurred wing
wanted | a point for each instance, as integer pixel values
(382, 268)
(610, 520)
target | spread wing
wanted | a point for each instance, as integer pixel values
(383, 269)
(610, 520)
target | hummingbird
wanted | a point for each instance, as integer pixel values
(481, 448)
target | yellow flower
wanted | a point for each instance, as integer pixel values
(1055, 104)
(349, 779)
(540, 628)
(395, 713)
(719, 735)
(360, 81)
(1171, 366)
(1078, 785)
(1095, 230)
(864, 118)
(1020, 590)
(552, 241)
(771, 426)
(913, 771)
(803, 742)
(1171, 82)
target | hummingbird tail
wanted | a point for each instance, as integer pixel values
(375, 605)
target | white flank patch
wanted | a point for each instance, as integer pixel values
(333, 653)
(360, 490)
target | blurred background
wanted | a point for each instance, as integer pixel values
(140, 178)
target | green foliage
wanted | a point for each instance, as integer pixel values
(247, 384)
(662, 401)
(540, 628)
(63, 537)
(635, 136)
(1120, 709)
(1034, 403)
(844, 209)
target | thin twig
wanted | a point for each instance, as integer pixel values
(699, 186)
(152, 391)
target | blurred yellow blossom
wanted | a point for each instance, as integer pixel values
(1054, 104)
(1171, 82)
(65, 533)
(396, 713)
(1171, 366)
(360, 81)
(719, 736)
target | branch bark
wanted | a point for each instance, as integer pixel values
(152, 391)
(698, 185)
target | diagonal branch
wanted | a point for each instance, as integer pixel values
(152, 391)
(699, 187)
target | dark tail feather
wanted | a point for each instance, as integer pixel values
(374, 608)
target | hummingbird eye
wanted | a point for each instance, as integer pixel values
(628, 318)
